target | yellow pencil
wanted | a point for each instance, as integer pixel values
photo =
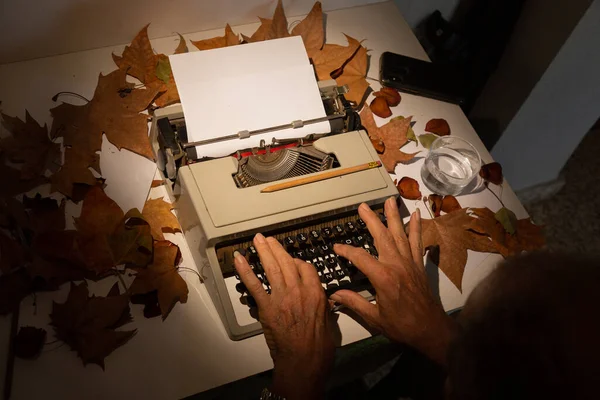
(321, 177)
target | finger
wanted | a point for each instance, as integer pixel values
(269, 262)
(395, 225)
(307, 272)
(415, 238)
(249, 279)
(384, 243)
(360, 258)
(288, 267)
(358, 304)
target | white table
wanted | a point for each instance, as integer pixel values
(190, 352)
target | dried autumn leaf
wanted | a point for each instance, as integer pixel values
(131, 242)
(435, 202)
(349, 63)
(492, 172)
(87, 323)
(438, 126)
(82, 127)
(229, 39)
(261, 32)
(391, 96)
(163, 70)
(410, 134)
(29, 342)
(409, 188)
(76, 171)
(150, 302)
(378, 145)
(11, 183)
(393, 135)
(380, 107)
(158, 214)
(182, 46)
(45, 214)
(527, 237)
(162, 276)
(157, 182)
(279, 25)
(508, 219)
(427, 139)
(311, 30)
(449, 204)
(30, 146)
(455, 233)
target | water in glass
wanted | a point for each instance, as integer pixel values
(448, 170)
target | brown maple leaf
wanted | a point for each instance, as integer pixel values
(88, 323)
(393, 134)
(158, 214)
(162, 276)
(455, 233)
(11, 183)
(311, 30)
(346, 64)
(45, 214)
(30, 146)
(261, 32)
(115, 110)
(527, 236)
(107, 238)
(140, 61)
(229, 39)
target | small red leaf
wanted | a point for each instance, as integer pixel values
(449, 204)
(409, 188)
(435, 202)
(380, 107)
(492, 172)
(391, 96)
(438, 126)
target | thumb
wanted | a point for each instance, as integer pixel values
(356, 303)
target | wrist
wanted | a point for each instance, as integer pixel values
(436, 343)
(297, 380)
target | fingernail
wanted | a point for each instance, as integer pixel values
(364, 207)
(237, 256)
(259, 238)
(336, 297)
(418, 214)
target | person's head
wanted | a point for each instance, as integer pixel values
(530, 330)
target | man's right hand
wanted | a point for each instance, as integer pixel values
(405, 309)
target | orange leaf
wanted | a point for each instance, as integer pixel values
(435, 202)
(438, 126)
(182, 46)
(450, 204)
(492, 172)
(162, 276)
(391, 96)
(261, 32)
(140, 61)
(380, 107)
(311, 30)
(378, 145)
(333, 56)
(393, 134)
(158, 214)
(279, 25)
(409, 188)
(229, 39)
(82, 127)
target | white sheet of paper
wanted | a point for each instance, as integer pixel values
(247, 87)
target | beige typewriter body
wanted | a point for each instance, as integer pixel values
(212, 209)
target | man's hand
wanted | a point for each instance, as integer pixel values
(405, 309)
(295, 320)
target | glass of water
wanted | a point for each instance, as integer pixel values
(450, 166)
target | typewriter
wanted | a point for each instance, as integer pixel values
(220, 205)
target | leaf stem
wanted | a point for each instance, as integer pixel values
(427, 208)
(495, 195)
(57, 95)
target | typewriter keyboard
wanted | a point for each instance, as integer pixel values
(312, 243)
